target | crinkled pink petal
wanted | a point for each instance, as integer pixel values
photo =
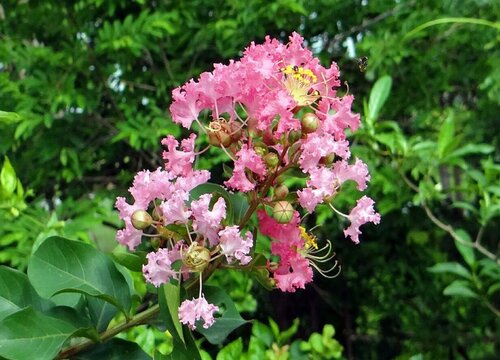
(208, 222)
(159, 270)
(129, 236)
(293, 270)
(310, 198)
(234, 246)
(174, 209)
(357, 172)
(282, 232)
(191, 311)
(179, 162)
(316, 146)
(362, 213)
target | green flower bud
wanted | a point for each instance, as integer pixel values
(280, 192)
(271, 159)
(309, 122)
(141, 219)
(197, 258)
(294, 136)
(283, 212)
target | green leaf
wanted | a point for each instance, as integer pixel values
(182, 351)
(101, 312)
(231, 351)
(17, 293)
(466, 251)
(451, 267)
(446, 137)
(263, 333)
(132, 261)
(378, 96)
(114, 349)
(28, 334)
(8, 178)
(9, 117)
(285, 336)
(169, 300)
(472, 149)
(62, 265)
(227, 322)
(459, 288)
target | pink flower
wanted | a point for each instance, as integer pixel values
(310, 198)
(179, 162)
(159, 270)
(316, 146)
(281, 232)
(294, 271)
(247, 159)
(341, 118)
(186, 105)
(148, 186)
(208, 222)
(234, 246)
(191, 311)
(174, 209)
(357, 172)
(362, 213)
(129, 236)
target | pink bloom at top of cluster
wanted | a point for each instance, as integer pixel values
(257, 82)
(247, 158)
(171, 190)
(191, 311)
(234, 246)
(362, 213)
(208, 222)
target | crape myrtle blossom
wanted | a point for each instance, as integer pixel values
(191, 311)
(275, 115)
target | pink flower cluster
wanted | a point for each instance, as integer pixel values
(274, 111)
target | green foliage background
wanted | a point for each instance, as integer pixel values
(90, 82)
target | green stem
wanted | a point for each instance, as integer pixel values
(138, 319)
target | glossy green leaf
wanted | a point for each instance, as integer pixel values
(451, 267)
(28, 334)
(459, 288)
(101, 312)
(8, 178)
(62, 265)
(229, 320)
(132, 261)
(16, 293)
(169, 300)
(378, 96)
(114, 349)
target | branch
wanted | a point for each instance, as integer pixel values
(138, 319)
(449, 229)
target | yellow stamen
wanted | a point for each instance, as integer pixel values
(310, 240)
(298, 82)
